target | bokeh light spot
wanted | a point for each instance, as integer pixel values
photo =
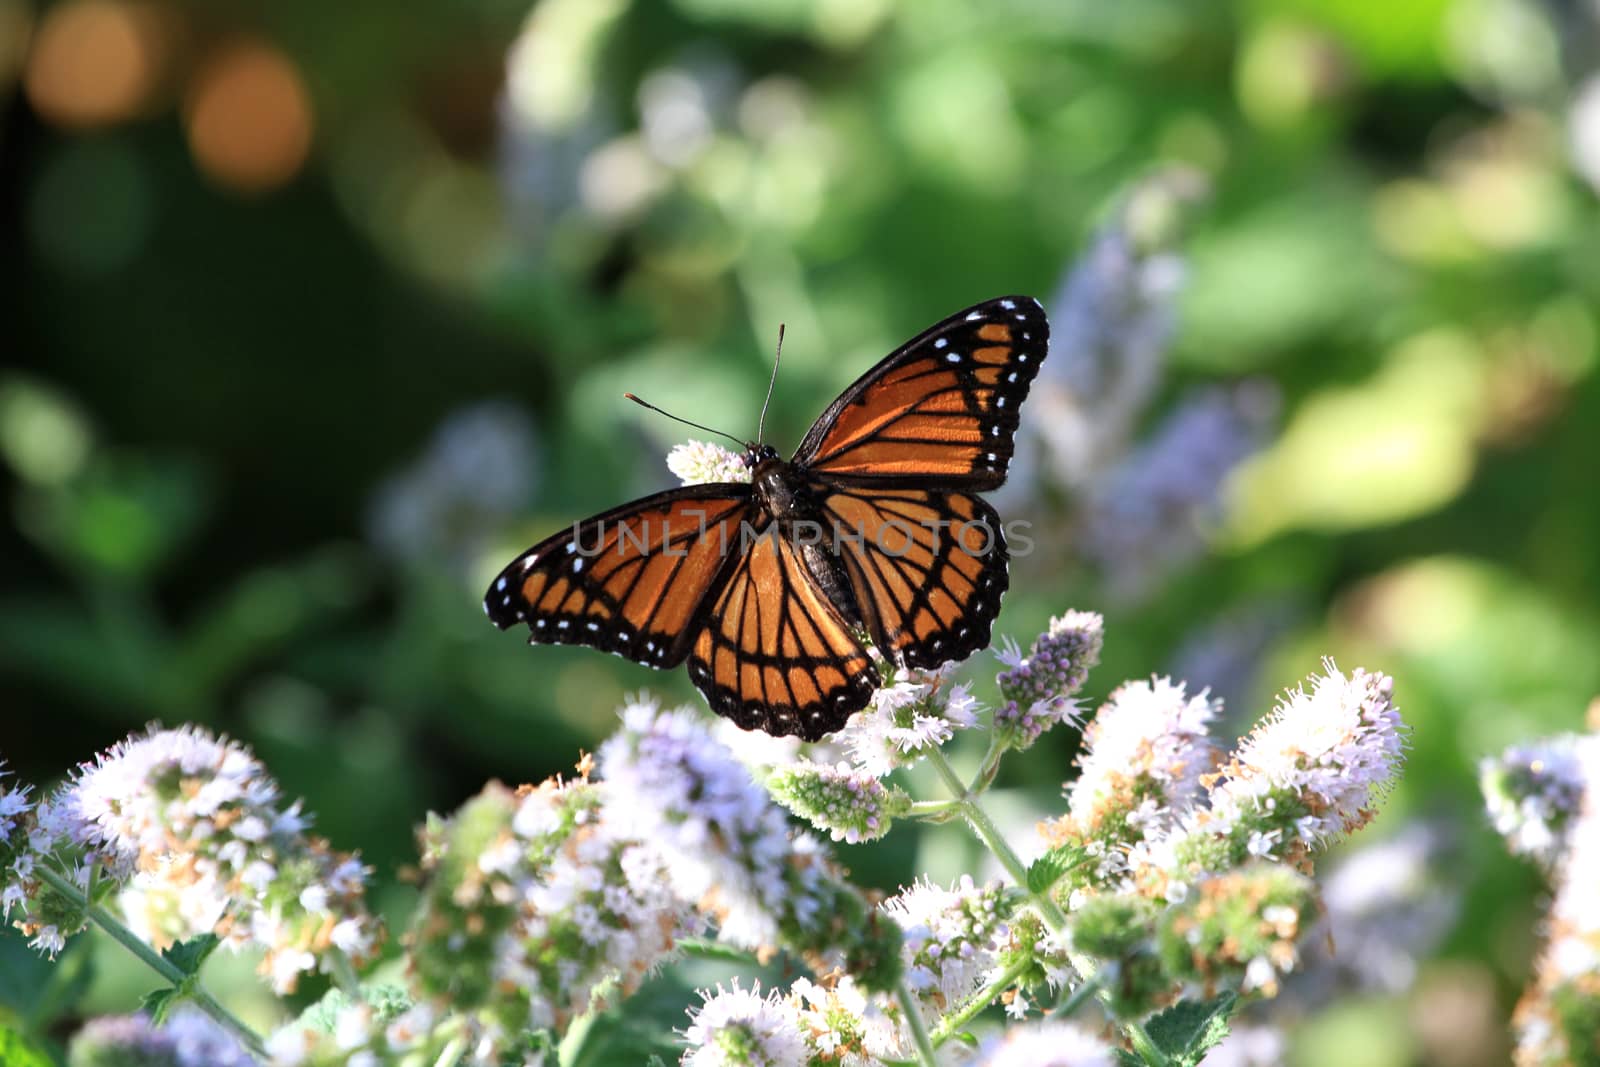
(249, 118)
(96, 62)
(43, 435)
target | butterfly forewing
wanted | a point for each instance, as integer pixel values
(940, 411)
(774, 653)
(630, 581)
(927, 568)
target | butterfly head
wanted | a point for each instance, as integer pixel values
(755, 455)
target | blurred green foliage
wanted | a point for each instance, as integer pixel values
(217, 399)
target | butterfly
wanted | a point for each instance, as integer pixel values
(872, 532)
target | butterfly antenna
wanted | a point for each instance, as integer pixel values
(762, 424)
(686, 422)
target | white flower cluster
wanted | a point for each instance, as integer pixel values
(1044, 1044)
(1533, 793)
(1545, 799)
(194, 826)
(703, 462)
(723, 842)
(1304, 777)
(1144, 755)
(831, 1022)
(360, 1034)
(953, 938)
(919, 711)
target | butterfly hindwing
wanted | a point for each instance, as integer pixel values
(942, 409)
(775, 654)
(630, 581)
(927, 568)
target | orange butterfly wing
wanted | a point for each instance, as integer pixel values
(776, 654)
(942, 409)
(927, 568)
(631, 581)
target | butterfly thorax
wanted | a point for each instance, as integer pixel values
(781, 488)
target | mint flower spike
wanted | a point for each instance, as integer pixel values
(194, 829)
(1145, 753)
(535, 905)
(847, 804)
(724, 844)
(703, 462)
(1306, 776)
(953, 939)
(919, 711)
(1554, 1021)
(1533, 793)
(1037, 689)
(1044, 1044)
(741, 1028)
(16, 851)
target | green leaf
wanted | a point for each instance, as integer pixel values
(1051, 867)
(158, 1002)
(707, 949)
(17, 1051)
(1191, 1028)
(187, 956)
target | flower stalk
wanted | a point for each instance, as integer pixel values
(154, 960)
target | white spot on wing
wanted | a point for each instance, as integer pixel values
(1008, 304)
(577, 565)
(954, 357)
(940, 343)
(974, 315)
(501, 584)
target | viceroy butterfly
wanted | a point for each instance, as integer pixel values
(773, 620)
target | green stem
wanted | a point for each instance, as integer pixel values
(919, 1029)
(1087, 988)
(933, 810)
(1048, 909)
(451, 1055)
(344, 972)
(952, 1024)
(985, 828)
(571, 1047)
(154, 960)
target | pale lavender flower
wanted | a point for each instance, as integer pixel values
(16, 853)
(725, 844)
(1225, 655)
(479, 469)
(848, 804)
(1044, 1044)
(1554, 1019)
(188, 1038)
(845, 1026)
(1303, 778)
(1385, 907)
(953, 938)
(1533, 793)
(741, 1028)
(195, 828)
(918, 711)
(704, 462)
(1150, 512)
(1111, 322)
(1145, 752)
(1037, 689)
